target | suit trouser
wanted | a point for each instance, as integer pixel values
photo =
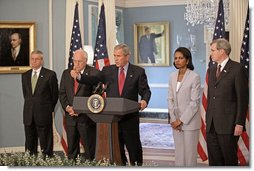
(145, 59)
(222, 148)
(45, 135)
(186, 147)
(87, 133)
(130, 137)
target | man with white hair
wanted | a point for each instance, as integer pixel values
(78, 125)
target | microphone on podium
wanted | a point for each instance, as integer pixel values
(98, 88)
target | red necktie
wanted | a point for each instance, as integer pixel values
(121, 80)
(75, 86)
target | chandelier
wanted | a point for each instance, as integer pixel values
(204, 12)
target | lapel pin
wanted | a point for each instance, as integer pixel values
(41, 76)
(224, 71)
(130, 75)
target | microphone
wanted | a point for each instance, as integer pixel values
(97, 88)
(104, 88)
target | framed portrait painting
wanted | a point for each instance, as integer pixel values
(151, 44)
(17, 41)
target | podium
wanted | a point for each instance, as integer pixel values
(107, 141)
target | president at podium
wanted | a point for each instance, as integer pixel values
(126, 80)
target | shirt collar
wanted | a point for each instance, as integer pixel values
(82, 71)
(17, 48)
(37, 71)
(125, 67)
(223, 64)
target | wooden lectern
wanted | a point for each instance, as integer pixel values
(107, 141)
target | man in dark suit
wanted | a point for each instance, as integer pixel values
(17, 55)
(227, 105)
(133, 84)
(40, 90)
(78, 125)
(147, 46)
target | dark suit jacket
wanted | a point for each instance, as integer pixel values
(66, 92)
(135, 83)
(40, 105)
(147, 47)
(21, 60)
(227, 98)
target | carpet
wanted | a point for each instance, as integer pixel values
(155, 135)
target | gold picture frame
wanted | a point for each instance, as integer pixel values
(18, 61)
(151, 44)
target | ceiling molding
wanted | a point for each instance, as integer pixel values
(145, 3)
(149, 3)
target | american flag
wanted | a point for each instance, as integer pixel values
(76, 42)
(75, 45)
(243, 143)
(219, 29)
(244, 59)
(219, 32)
(101, 54)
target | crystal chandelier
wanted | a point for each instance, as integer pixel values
(204, 12)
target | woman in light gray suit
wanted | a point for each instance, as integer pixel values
(183, 106)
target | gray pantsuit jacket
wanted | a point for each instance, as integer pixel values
(184, 104)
